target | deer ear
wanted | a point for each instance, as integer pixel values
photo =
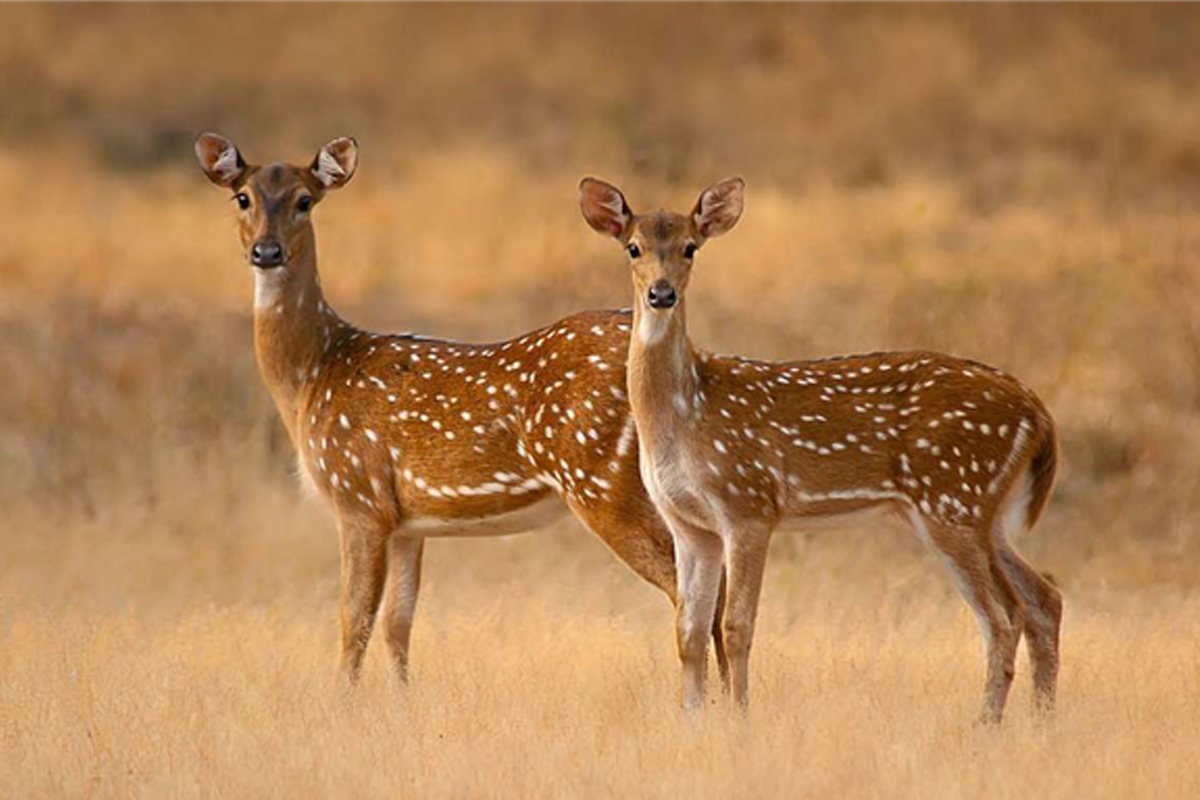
(335, 162)
(719, 207)
(604, 208)
(219, 159)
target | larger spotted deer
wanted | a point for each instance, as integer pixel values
(406, 437)
(731, 448)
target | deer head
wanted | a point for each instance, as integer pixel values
(661, 246)
(275, 202)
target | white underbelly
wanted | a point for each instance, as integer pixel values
(869, 517)
(528, 518)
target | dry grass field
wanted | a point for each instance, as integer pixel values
(1015, 184)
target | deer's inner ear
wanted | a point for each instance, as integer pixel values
(336, 162)
(604, 208)
(219, 159)
(719, 208)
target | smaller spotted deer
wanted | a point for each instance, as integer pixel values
(731, 448)
(406, 437)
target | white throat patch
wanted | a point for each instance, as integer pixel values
(269, 285)
(652, 326)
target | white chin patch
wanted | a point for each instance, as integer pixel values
(653, 325)
(268, 287)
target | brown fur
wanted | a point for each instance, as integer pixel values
(404, 436)
(732, 447)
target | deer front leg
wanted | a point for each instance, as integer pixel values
(698, 568)
(364, 571)
(744, 563)
(637, 534)
(404, 572)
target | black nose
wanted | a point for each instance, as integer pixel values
(662, 295)
(266, 254)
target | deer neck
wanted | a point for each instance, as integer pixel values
(293, 329)
(663, 378)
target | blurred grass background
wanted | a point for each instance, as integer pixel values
(1017, 184)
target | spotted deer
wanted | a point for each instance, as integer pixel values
(731, 448)
(406, 437)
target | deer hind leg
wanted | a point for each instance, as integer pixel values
(1041, 599)
(698, 556)
(1043, 606)
(718, 637)
(744, 563)
(404, 573)
(987, 591)
(364, 571)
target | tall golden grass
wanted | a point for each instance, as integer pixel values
(1015, 184)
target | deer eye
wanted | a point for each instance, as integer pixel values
(304, 204)
(689, 250)
(243, 200)
(633, 250)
